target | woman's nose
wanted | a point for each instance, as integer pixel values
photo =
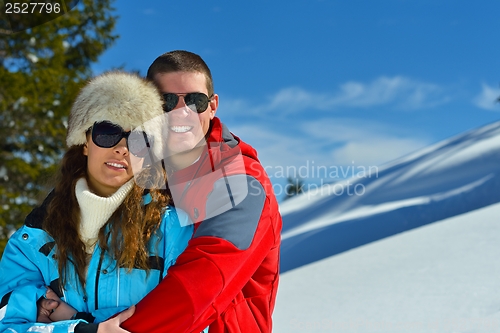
(121, 147)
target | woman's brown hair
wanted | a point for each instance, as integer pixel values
(125, 236)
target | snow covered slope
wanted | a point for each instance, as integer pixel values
(443, 277)
(452, 177)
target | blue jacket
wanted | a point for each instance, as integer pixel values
(28, 266)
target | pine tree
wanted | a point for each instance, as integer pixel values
(294, 186)
(41, 71)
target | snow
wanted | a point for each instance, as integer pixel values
(370, 210)
(443, 277)
(415, 251)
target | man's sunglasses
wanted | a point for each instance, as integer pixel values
(196, 101)
(107, 135)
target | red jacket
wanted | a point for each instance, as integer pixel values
(227, 277)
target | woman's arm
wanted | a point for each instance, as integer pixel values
(22, 285)
(21, 279)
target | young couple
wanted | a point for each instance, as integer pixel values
(195, 253)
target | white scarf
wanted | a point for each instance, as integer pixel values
(95, 211)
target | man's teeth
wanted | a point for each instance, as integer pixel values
(180, 129)
(116, 165)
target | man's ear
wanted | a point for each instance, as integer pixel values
(214, 104)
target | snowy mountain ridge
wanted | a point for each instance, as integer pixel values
(417, 251)
(448, 178)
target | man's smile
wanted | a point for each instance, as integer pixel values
(181, 129)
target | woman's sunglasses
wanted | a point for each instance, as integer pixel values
(107, 135)
(196, 101)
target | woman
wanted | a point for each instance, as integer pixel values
(97, 241)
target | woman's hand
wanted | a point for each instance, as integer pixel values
(44, 308)
(52, 308)
(113, 325)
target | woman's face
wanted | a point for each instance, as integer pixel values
(109, 168)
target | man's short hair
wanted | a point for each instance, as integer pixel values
(181, 61)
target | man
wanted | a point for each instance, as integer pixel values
(227, 277)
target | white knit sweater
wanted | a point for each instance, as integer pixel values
(96, 210)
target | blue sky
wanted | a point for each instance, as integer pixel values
(329, 83)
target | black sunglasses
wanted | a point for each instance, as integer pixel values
(196, 101)
(107, 135)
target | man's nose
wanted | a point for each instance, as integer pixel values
(181, 102)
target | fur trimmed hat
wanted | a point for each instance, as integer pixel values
(122, 98)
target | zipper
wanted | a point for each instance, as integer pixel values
(98, 274)
(118, 285)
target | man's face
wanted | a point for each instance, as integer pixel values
(186, 128)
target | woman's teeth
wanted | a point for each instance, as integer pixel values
(116, 165)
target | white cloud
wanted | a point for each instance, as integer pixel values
(322, 139)
(295, 99)
(230, 107)
(373, 151)
(487, 99)
(398, 91)
(327, 143)
(277, 149)
(362, 142)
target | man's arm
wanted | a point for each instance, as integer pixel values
(225, 252)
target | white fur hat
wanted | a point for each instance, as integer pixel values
(122, 98)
